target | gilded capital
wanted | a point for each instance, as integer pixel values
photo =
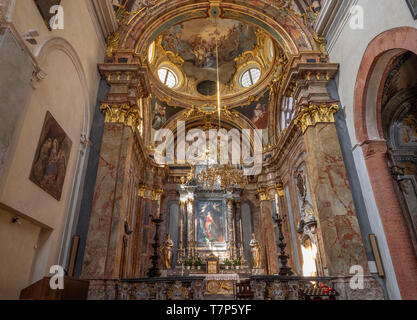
(129, 116)
(279, 188)
(156, 194)
(141, 191)
(263, 194)
(313, 114)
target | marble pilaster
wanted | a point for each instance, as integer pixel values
(103, 248)
(268, 234)
(332, 196)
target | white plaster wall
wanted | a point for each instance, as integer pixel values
(69, 92)
(17, 244)
(79, 30)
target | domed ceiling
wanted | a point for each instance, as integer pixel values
(195, 42)
(190, 49)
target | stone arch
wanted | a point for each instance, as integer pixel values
(377, 56)
(61, 44)
(58, 43)
(137, 34)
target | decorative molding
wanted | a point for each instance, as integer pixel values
(311, 115)
(263, 194)
(106, 16)
(124, 114)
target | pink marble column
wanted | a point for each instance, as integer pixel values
(103, 251)
(268, 234)
(332, 197)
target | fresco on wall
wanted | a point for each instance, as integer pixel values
(161, 113)
(51, 158)
(283, 17)
(401, 76)
(409, 129)
(258, 113)
(211, 222)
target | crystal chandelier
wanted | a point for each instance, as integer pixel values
(221, 176)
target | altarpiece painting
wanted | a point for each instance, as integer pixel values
(211, 222)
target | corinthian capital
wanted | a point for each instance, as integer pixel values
(313, 114)
(129, 116)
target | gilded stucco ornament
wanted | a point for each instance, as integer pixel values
(321, 43)
(310, 116)
(129, 116)
(263, 194)
(113, 41)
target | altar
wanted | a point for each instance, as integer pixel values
(209, 225)
(219, 284)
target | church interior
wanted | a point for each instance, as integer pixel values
(208, 149)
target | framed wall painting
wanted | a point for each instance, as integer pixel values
(51, 158)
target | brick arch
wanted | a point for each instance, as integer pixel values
(379, 55)
(398, 38)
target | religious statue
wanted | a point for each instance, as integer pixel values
(167, 253)
(256, 252)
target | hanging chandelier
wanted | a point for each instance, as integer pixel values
(220, 176)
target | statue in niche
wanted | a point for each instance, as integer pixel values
(256, 252)
(167, 252)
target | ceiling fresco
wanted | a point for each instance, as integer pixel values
(195, 41)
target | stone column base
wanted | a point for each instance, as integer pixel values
(371, 289)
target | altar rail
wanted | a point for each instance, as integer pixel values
(259, 288)
(314, 288)
(171, 288)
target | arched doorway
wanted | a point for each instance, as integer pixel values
(383, 108)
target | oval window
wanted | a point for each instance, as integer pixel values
(250, 77)
(167, 77)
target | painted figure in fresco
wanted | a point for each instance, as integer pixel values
(410, 129)
(256, 252)
(159, 116)
(167, 253)
(260, 116)
(40, 165)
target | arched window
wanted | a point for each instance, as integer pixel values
(250, 77)
(167, 77)
(287, 112)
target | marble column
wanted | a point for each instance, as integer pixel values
(239, 231)
(104, 245)
(330, 190)
(268, 234)
(230, 228)
(105, 235)
(181, 224)
(190, 228)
